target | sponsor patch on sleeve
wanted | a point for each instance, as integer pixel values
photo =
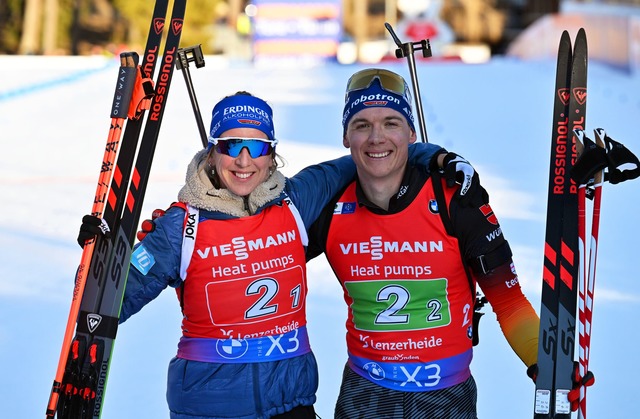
(142, 259)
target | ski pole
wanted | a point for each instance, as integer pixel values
(406, 50)
(185, 56)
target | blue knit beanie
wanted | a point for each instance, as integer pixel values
(372, 97)
(241, 111)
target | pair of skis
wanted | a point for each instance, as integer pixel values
(576, 176)
(79, 385)
(556, 342)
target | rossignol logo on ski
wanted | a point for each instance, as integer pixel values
(176, 26)
(560, 157)
(564, 96)
(580, 94)
(162, 87)
(150, 58)
(158, 25)
(93, 321)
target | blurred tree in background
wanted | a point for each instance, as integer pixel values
(198, 28)
(82, 27)
(10, 25)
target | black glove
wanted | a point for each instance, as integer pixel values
(148, 225)
(532, 372)
(91, 227)
(457, 170)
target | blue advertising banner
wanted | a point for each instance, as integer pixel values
(294, 30)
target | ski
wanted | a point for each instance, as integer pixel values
(90, 353)
(113, 279)
(557, 339)
(140, 177)
(570, 245)
(122, 96)
(547, 341)
(96, 328)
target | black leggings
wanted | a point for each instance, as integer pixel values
(360, 398)
(299, 412)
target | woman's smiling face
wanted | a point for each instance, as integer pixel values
(242, 174)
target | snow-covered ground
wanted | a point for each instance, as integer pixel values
(54, 119)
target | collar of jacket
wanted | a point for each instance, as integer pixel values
(199, 192)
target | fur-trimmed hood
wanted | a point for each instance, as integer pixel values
(199, 192)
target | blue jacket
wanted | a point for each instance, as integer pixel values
(257, 390)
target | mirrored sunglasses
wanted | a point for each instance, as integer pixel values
(233, 146)
(389, 81)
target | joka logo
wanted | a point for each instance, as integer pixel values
(488, 212)
(93, 321)
(232, 348)
(564, 96)
(580, 93)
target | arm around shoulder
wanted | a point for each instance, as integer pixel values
(426, 155)
(314, 186)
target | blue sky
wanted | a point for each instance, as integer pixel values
(54, 118)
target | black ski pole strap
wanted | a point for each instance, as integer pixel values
(622, 163)
(443, 208)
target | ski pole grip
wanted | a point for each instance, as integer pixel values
(406, 50)
(185, 56)
(124, 86)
